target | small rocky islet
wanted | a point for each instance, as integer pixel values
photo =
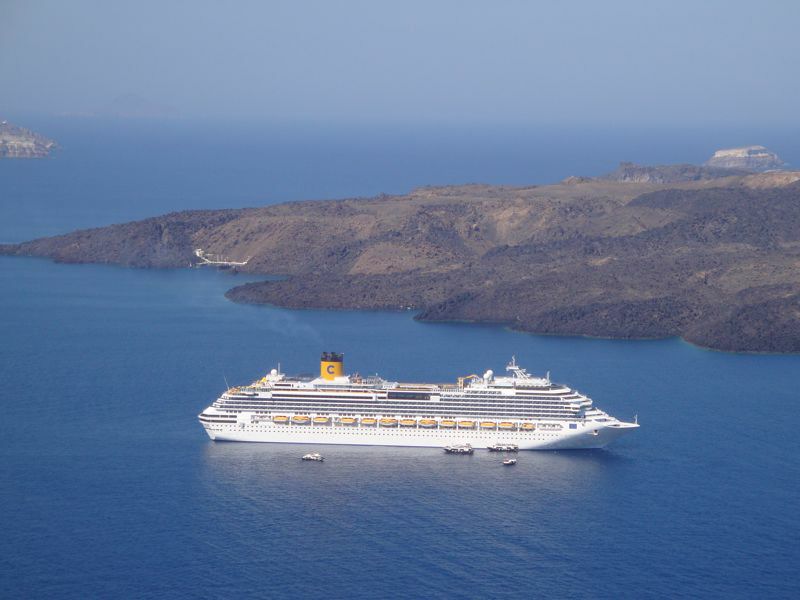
(18, 142)
(708, 253)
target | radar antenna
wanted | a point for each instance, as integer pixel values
(517, 371)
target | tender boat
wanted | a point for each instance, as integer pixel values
(315, 456)
(503, 448)
(459, 449)
(509, 462)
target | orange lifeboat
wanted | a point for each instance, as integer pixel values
(281, 419)
(528, 426)
(301, 420)
(427, 422)
(349, 421)
(507, 425)
(321, 420)
(466, 424)
(488, 425)
(408, 422)
(447, 423)
(386, 422)
(368, 421)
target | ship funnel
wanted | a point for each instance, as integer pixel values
(331, 365)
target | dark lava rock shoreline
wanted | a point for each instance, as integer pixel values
(712, 259)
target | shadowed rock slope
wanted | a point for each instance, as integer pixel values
(716, 261)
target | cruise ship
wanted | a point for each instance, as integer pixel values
(486, 410)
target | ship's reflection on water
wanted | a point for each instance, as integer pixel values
(398, 502)
(380, 476)
(282, 459)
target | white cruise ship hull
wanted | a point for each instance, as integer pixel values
(585, 436)
(530, 412)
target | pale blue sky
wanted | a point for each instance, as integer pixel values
(604, 63)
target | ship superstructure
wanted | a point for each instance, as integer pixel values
(334, 408)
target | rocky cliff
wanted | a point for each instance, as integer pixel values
(716, 261)
(16, 142)
(752, 158)
(629, 172)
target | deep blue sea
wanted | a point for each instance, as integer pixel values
(110, 488)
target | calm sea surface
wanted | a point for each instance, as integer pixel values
(110, 488)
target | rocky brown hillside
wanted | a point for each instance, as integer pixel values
(716, 261)
(633, 173)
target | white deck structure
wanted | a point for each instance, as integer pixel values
(531, 412)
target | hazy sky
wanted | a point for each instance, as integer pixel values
(609, 62)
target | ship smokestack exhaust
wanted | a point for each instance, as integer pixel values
(331, 365)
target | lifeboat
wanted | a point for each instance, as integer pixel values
(280, 419)
(301, 420)
(349, 421)
(427, 422)
(466, 424)
(528, 426)
(408, 422)
(447, 423)
(368, 421)
(385, 422)
(321, 420)
(507, 425)
(488, 424)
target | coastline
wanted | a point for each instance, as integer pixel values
(709, 261)
(508, 326)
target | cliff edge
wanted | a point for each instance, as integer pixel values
(752, 158)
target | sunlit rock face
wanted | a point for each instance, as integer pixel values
(16, 142)
(753, 158)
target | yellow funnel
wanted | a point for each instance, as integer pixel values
(331, 365)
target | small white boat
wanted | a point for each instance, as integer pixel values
(509, 462)
(459, 449)
(503, 448)
(316, 456)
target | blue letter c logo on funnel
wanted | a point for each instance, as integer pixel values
(330, 369)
